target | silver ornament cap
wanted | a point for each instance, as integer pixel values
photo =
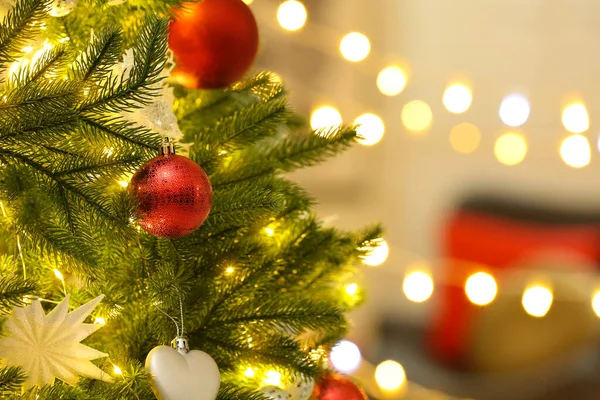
(181, 345)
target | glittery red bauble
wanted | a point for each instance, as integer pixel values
(173, 196)
(337, 387)
(215, 42)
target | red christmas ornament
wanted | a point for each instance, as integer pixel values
(173, 195)
(215, 42)
(337, 387)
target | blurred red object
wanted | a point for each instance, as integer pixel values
(493, 240)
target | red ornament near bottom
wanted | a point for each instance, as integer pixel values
(173, 195)
(338, 387)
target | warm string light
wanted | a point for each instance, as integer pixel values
(117, 370)
(418, 286)
(272, 378)
(376, 253)
(575, 118)
(291, 15)
(370, 129)
(510, 148)
(514, 110)
(61, 278)
(465, 138)
(575, 151)
(390, 376)
(325, 117)
(457, 98)
(355, 46)
(417, 117)
(481, 288)
(351, 289)
(392, 80)
(537, 300)
(345, 356)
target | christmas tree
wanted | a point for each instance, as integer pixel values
(88, 97)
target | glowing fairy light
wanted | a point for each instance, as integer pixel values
(345, 356)
(272, 378)
(352, 289)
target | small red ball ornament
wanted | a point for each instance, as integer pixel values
(173, 195)
(337, 387)
(215, 42)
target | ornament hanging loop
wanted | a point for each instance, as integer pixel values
(181, 344)
(167, 147)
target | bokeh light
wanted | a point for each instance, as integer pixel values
(575, 118)
(117, 370)
(390, 375)
(537, 301)
(596, 303)
(575, 151)
(249, 372)
(325, 117)
(457, 98)
(345, 356)
(100, 321)
(352, 289)
(465, 138)
(291, 15)
(248, 1)
(481, 288)
(272, 378)
(392, 80)
(514, 110)
(371, 129)
(376, 254)
(417, 116)
(510, 148)
(418, 286)
(355, 47)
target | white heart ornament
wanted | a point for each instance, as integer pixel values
(180, 375)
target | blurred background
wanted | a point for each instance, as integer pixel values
(480, 158)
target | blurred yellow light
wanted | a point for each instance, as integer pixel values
(390, 375)
(58, 274)
(371, 129)
(418, 286)
(465, 138)
(291, 15)
(345, 356)
(272, 378)
(352, 289)
(249, 372)
(269, 231)
(117, 370)
(537, 301)
(575, 118)
(248, 2)
(596, 303)
(457, 98)
(417, 116)
(124, 183)
(376, 254)
(355, 46)
(229, 270)
(100, 321)
(510, 148)
(27, 49)
(325, 117)
(391, 81)
(514, 110)
(576, 151)
(481, 288)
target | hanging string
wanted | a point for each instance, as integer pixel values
(179, 327)
(171, 318)
(180, 309)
